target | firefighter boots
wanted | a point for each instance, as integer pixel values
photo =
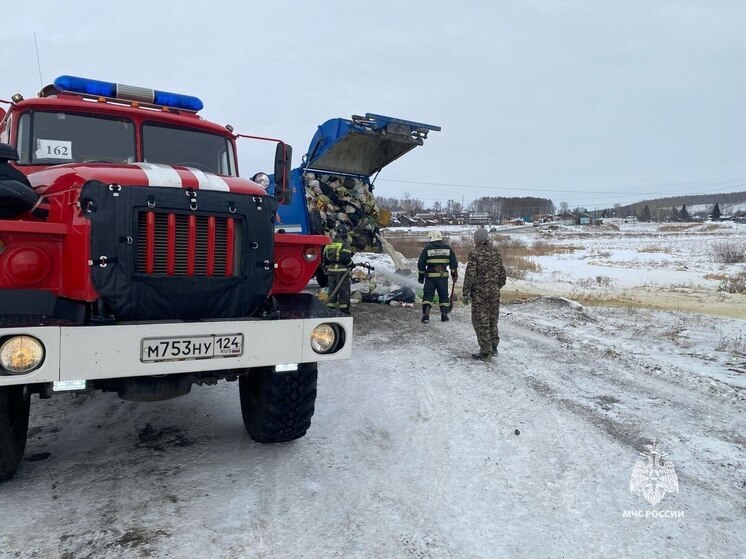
(425, 314)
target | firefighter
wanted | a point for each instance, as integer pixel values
(337, 264)
(432, 266)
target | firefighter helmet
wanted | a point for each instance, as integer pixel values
(434, 236)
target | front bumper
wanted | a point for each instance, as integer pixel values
(114, 351)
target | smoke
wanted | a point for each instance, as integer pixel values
(404, 281)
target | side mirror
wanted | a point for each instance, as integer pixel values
(283, 188)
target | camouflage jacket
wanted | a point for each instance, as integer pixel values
(485, 273)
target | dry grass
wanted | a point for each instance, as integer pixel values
(712, 227)
(676, 227)
(716, 277)
(729, 253)
(410, 248)
(656, 249)
(735, 345)
(735, 283)
(598, 281)
(542, 248)
(516, 253)
(518, 266)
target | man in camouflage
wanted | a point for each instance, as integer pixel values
(432, 266)
(485, 275)
(337, 263)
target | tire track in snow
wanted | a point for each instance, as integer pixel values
(644, 408)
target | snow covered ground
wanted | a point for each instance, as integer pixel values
(417, 451)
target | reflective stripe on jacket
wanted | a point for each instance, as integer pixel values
(435, 260)
(337, 256)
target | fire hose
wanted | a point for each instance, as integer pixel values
(347, 274)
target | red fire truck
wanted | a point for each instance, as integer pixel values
(134, 259)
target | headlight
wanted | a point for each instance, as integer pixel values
(310, 254)
(262, 179)
(323, 338)
(21, 354)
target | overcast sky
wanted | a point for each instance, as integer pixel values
(590, 102)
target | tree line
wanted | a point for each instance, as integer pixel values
(507, 207)
(500, 207)
(675, 214)
(671, 208)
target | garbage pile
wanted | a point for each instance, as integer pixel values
(332, 199)
(404, 297)
(374, 287)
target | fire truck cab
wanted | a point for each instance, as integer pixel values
(134, 258)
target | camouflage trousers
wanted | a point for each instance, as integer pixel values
(484, 314)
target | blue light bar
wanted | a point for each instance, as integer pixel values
(177, 100)
(84, 85)
(87, 86)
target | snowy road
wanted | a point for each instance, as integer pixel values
(415, 451)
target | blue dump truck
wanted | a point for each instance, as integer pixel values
(335, 180)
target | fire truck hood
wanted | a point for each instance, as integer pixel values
(363, 145)
(147, 174)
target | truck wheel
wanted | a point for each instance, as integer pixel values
(321, 278)
(14, 412)
(277, 407)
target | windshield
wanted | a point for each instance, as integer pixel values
(71, 138)
(178, 146)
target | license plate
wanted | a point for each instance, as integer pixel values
(191, 347)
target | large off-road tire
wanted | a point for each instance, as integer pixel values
(14, 413)
(321, 278)
(277, 407)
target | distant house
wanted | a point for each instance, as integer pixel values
(583, 219)
(462, 218)
(406, 220)
(478, 219)
(513, 221)
(428, 219)
(567, 218)
(542, 218)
